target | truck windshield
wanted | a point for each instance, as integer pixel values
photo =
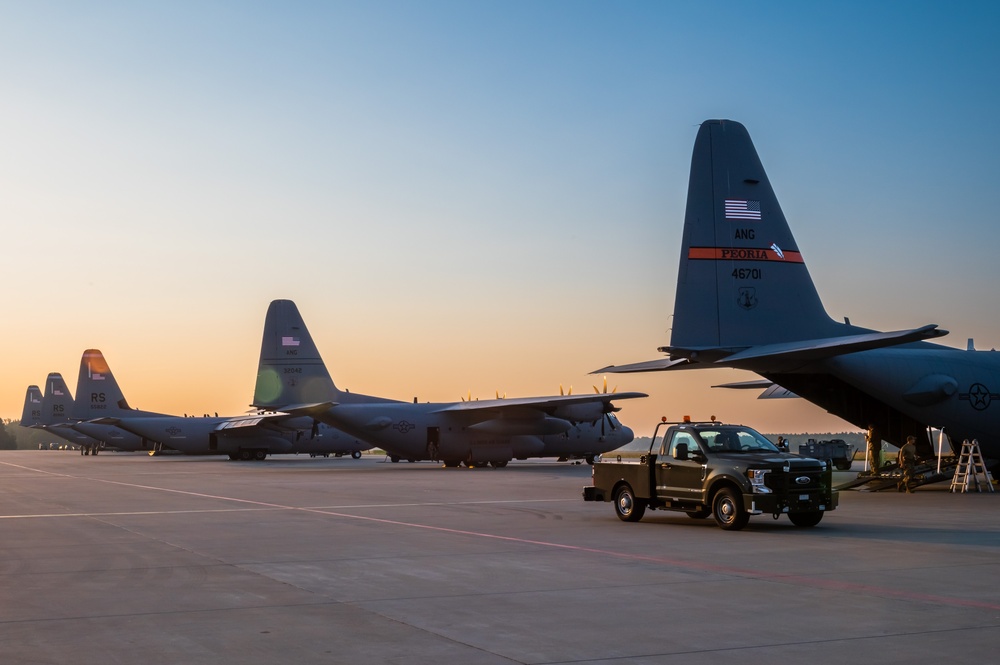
(735, 440)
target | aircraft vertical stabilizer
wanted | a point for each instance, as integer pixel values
(97, 391)
(57, 403)
(290, 370)
(742, 281)
(32, 413)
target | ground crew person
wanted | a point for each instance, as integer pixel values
(874, 442)
(907, 460)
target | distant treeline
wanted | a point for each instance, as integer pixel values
(13, 436)
(8, 441)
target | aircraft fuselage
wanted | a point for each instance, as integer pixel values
(429, 432)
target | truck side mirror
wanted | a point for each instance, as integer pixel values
(681, 451)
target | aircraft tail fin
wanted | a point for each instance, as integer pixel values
(290, 370)
(742, 280)
(97, 391)
(57, 403)
(32, 413)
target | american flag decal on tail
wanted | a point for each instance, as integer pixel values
(740, 209)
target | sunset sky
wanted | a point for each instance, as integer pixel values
(472, 196)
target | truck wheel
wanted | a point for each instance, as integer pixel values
(727, 507)
(699, 514)
(627, 507)
(806, 519)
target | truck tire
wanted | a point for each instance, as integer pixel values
(627, 507)
(727, 507)
(806, 519)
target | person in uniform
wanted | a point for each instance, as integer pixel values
(907, 461)
(874, 442)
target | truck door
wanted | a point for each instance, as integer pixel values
(679, 479)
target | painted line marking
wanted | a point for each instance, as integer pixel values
(780, 578)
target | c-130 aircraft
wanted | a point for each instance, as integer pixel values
(745, 300)
(291, 376)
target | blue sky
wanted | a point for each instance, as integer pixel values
(470, 196)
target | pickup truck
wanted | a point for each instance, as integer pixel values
(729, 472)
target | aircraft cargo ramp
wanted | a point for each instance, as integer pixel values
(888, 479)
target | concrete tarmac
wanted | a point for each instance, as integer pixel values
(123, 558)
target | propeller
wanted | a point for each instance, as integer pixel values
(606, 418)
(561, 393)
(315, 429)
(605, 392)
(498, 395)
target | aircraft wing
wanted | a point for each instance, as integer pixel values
(276, 419)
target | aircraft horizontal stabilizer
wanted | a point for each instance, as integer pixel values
(539, 403)
(818, 349)
(312, 409)
(657, 365)
(771, 389)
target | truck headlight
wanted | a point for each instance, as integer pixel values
(756, 477)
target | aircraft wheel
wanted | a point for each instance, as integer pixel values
(590, 460)
(232, 456)
(244, 455)
(452, 464)
(699, 514)
(260, 455)
(393, 458)
(356, 454)
(806, 519)
(500, 464)
(728, 510)
(627, 506)
(411, 460)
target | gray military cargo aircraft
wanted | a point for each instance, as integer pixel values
(37, 413)
(745, 300)
(292, 375)
(55, 415)
(245, 437)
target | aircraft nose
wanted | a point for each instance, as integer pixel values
(627, 434)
